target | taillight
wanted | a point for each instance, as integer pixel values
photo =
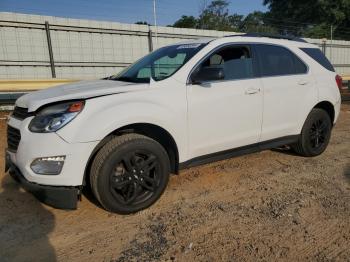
(339, 81)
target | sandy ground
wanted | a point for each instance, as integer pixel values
(266, 206)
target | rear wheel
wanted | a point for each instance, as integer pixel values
(129, 173)
(315, 135)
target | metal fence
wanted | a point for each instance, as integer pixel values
(36, 47)
(44, 47)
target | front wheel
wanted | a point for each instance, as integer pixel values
(129, 173)
(315, 135)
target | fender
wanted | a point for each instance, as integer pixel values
(103, 115)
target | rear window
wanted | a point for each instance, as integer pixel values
(319, 57)
(279, 61)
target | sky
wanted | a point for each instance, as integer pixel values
(124, 11)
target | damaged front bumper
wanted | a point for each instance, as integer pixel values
(61, 197)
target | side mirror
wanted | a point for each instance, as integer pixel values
(208, 74)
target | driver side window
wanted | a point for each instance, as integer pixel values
(236, 62)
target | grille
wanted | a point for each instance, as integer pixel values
(20, 113)
(13, 138)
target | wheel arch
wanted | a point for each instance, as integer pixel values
(153, 131)
(328, 107)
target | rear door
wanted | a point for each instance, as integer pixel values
(289, 91)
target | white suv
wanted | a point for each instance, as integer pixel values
(180, 106)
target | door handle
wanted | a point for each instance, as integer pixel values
(303, 82)
(252, 90)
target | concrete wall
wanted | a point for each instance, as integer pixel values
(85, 49)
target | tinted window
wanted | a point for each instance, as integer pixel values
(279, 61)
(300, 67)
(236, 62)
(318, 56)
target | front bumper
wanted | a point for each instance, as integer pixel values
(38, 145)
(56, 196)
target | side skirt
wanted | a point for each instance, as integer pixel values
(201, 160)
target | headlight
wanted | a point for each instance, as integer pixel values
(54, 117)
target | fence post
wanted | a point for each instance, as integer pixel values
(49, 45)
(150, 41)
(324, 41)
(331, 46)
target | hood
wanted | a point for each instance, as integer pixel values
(78, 90)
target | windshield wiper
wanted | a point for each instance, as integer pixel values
(123, 79)
(107, 78)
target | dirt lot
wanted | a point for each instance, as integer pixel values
(267, 206)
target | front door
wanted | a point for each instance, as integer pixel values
(227, 113)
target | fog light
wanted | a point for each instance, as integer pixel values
(48, 165)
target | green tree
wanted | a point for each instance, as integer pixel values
(311, 18)
(236, 21)
(186, 22)
(215, 16)
(307, 18)
(142, 23)
(256, 22)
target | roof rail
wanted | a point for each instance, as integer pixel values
(291, 38)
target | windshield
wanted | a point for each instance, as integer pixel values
(159, 64)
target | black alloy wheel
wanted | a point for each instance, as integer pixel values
(135, 178)
(318, 133)
(129, 173)
(315, 135)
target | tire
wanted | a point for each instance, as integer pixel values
(315, 135)
(129, 173)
